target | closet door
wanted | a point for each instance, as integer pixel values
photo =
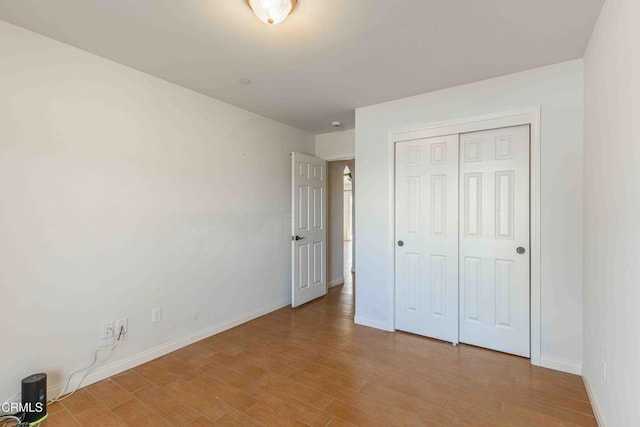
(494, 239)
(427, 237)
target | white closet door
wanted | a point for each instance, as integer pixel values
(427, 237)
(494, 239)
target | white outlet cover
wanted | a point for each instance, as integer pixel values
(156, 315)
(122, 323)
(107, 330)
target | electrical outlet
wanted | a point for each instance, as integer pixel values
(604, 371)
(156, 315)
(122, 326)
(107, 330)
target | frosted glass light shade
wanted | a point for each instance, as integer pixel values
(272, 11)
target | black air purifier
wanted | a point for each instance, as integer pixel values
(34, 398)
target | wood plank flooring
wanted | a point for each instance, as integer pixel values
(313, 366)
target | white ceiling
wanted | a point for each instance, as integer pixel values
(328, 57)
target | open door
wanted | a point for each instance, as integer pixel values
(309, 228)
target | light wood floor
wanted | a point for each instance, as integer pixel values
(314, 366)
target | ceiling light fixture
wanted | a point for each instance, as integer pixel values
(272, 11)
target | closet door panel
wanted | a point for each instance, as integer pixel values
(494, 240)
(427, 237)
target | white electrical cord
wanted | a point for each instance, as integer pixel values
(7, 401)
(5, 418)
(89, 368)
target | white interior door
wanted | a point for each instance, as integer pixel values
(427, 237)
(309, 230)
(494, 239)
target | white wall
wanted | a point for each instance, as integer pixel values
(336, 145)
(612, 214)
(559, 90)
(120, 192)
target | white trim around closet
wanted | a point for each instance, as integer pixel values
(527, 116)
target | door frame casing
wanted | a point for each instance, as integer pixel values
(525, 116)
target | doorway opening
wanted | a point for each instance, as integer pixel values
(341, 224)
(347, 232)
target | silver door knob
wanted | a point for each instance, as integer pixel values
(521, 250)
(400, 243)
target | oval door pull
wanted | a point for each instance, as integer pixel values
(521, 250)
(400, 243)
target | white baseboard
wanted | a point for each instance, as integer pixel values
(373, 323)
(145, 356)
(563, 365)
(335, 282)
(594, 403)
